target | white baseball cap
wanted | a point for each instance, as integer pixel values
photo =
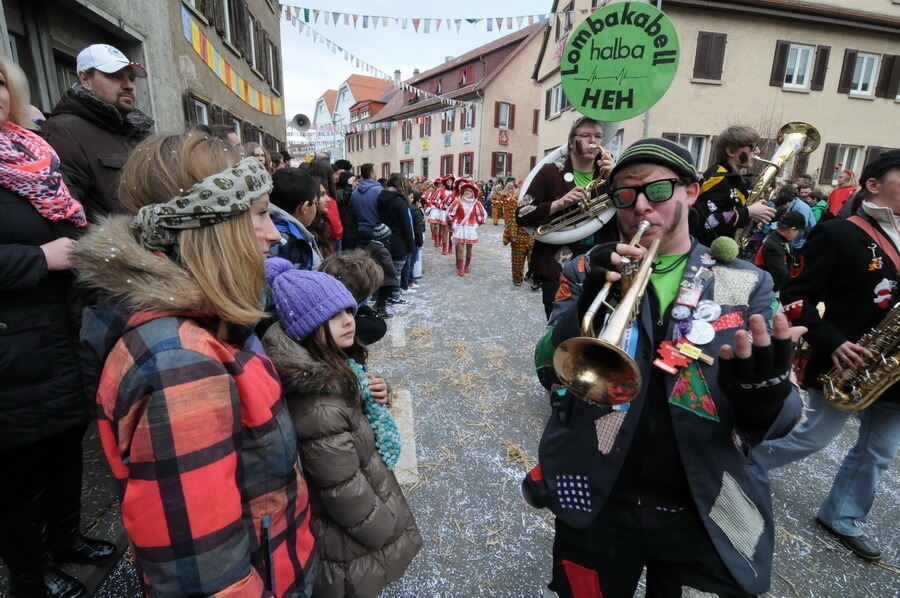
(108, 59)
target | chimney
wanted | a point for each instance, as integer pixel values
(415, 72)
(397, 77)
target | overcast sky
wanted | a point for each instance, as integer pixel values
(310, 68)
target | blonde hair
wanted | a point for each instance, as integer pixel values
(19, 95)
(224, 259)
(851, 179)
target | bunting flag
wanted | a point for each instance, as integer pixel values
(317, 37)
(425, 24)
(217, 63)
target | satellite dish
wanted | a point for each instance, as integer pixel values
(300, 122)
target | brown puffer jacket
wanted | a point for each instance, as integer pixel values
(363, 526)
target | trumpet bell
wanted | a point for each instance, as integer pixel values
(598, 372)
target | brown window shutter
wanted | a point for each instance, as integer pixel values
(548, 97)
(701, 56)
(493, 163)
(462, 119)
(827, 170)
(509, 163)
(871, 153)
(716, 60)
(422, 129)
(779, 63)
(474, 111)
(190, 116)
(532, 162)
(443, 123)
(801, 162)
(847, 69)
(888, 77)
(820, 67)
(535, 117)
(712, 151)
(496, 114)
(512, 117)
(670, 136)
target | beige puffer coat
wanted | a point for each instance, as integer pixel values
(364, 529)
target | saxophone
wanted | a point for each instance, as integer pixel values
(853, 390)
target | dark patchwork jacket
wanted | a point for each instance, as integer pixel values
(196, 433)
(585, 451)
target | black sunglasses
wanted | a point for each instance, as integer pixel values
(655, 192)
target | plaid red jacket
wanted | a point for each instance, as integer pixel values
(204, 451)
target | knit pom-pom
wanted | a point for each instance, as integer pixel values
(724, 249)
(276, 266)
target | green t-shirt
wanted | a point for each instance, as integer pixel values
(666, 284)
(582, 178)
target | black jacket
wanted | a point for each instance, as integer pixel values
(836, 260)
(720, 210)
(42, 390)
(777, 258)
(418, 225)
(93, 141)
(393, 210)
(348, 216)
(382, 256)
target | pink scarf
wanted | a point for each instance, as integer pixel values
(30, 168)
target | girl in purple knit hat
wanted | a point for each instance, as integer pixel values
(349, 443)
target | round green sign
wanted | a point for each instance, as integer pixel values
(619, 61)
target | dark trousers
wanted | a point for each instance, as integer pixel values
(40, 505)
(606, 559)
(549, 286)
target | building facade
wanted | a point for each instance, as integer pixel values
(494, 134)
(760, 63)
(208, 61)
(332, 113)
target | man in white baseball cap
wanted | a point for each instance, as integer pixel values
(95, 125)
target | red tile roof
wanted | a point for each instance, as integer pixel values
(364, 87)
(330, 96)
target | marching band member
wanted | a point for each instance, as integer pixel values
(668, 481)
(464, 215)
(722, 208)
(851, 266)
(554, 188)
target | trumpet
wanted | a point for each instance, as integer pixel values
(597, 368)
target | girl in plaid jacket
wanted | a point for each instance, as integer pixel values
(189, 408)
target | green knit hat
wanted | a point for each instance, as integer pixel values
(662, 152)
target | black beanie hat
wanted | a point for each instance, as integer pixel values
(662, 152)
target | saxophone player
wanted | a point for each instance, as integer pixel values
(851, 266)
(722, 208)
(665, 482)
(554, 188)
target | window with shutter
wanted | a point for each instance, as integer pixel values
(548, 98)
(535, 118)
(865, 71)
(829, 159)
(798, 67)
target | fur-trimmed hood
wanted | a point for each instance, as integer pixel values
(300, 373)
(133, 284)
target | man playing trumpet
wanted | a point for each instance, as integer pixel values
(667, 481)
(556, 187)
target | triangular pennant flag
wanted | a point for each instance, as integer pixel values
(355, 20)
(315, 16)
(287, 13)
(365, 21)
(346, 19)
(335, 16)
(490, 25)
(325, 16)
(500, 24)
(427, 28)
(458, 23)
(416, 24)
(509, 22)
(519, 21)
(306, 15)
(374, 22)
(404, 23)
(437, 25)
(384, 21)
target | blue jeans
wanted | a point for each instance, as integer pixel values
(853, 490)
(399, 266)
(406, 276)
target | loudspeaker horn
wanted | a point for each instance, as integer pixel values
(300, 122)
